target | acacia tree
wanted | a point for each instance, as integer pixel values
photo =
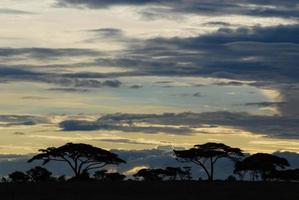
(79, 157)
(206, 155)
(260, 165)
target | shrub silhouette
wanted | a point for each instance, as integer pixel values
(170, 173)
(260, 165)
(115, 177)
(177, 173)
(84, 176)
(18, 177)
(102, 175)
(231, 179)
(210, 152)
(150, 174)
(284, 175)
(79, 157)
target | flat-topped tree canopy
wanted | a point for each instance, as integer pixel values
(261, 164)
(80, 157)
(209, 151)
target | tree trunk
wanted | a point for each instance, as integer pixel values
(212, 170)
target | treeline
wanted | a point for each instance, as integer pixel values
(83, 159)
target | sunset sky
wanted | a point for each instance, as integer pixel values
(145, 74)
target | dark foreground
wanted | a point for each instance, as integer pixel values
(150, 191)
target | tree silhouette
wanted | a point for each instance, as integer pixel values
(260, 164)
(79, 157)
(18, 177)
(39, 174)
(208, 153)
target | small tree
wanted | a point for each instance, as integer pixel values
(208, 153)
(39, 174)
(79, 157)
(260, 165)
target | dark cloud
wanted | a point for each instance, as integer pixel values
(108, 32)
(8, 11)
(256, 53)
(271, 126)
(267, 55)
(69, 90)
(265, 104)
(76, 80)
(46, 53)
(105, 3)
(82, 125)
(217, 23)
(288, 8)
(125, 141)
(197, 94)
(112, 83)
(19, 133)
(35, 98)
(230, 83)
(28, 120)
(136, 86)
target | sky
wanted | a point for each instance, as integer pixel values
(136, 75)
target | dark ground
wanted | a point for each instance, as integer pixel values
(153, 191)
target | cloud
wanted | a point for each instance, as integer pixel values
(256, 54)
(184, 123)
(264, 55)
